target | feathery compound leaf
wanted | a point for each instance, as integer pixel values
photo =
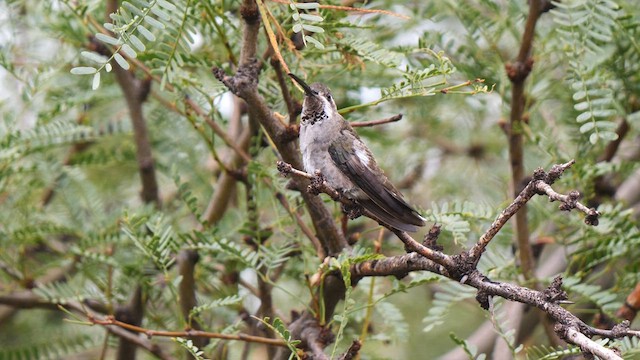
(226, 301)
(135, 41)
(56, 345)
(586, 31)
(186, 194)
(312, 28)
(310, 17)
(281, 330)
(369, 51)
(451, 293)
(544, 352)
(167, 5)
(604, 299)
(468, 348)
(156, 240)
(188, 345)
(155, 23)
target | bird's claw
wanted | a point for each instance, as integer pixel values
(353, 211)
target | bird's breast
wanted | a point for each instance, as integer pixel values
(314, 146)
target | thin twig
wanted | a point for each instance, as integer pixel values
(302, 225)
(140, 342)
(390, 119)
(353, 9)
(286, 94)
(217, 129)
(538, 185)
(109, 320)
(187, 260)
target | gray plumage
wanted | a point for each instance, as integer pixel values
(329, 144)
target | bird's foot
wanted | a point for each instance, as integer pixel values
(353, 211)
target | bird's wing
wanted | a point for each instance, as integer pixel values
(354, 159)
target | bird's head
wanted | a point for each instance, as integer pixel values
(318, 102)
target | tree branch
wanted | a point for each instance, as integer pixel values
(517, 73)
(187, 260)
(462, 267)
(139, 341)
(540, 184)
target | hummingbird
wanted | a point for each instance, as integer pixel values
(330, 145)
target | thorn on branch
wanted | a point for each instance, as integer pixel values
(519, 71)
(554, 293)
(431, 238)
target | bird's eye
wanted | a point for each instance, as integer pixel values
(329, 97)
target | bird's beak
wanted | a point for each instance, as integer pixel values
(307, 89)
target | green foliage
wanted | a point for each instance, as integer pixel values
(469, 349)
(265, 257)
(605, 300)
(616, 237)
(226, 301)
(304, 21)
(370, 51)
(154, 238)
(456, 217)
(281, 330)
(550, 353)
(133, 22)
(586, 32)
(51, 347)
(449, 296)
(191, 348)
(499, 319)
(73, 227)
